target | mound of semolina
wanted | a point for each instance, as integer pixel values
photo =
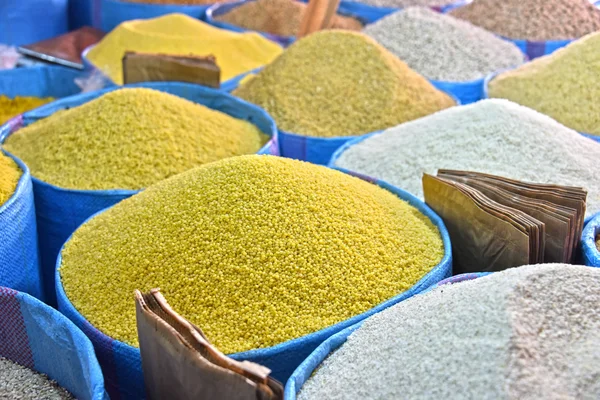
(10, 173)
(341, 83)
(180, 34)
(255, 250)
(130, 139)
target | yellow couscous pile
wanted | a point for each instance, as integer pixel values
(10, 173)
(341, 83)
(11, 107)
(130, 139)
(255, 250)
(179, 34)
(563, 85)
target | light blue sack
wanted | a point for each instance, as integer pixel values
(371, 14)
(223, 8)
(19, 260)
(113, 12)
(39, 81)
(28, 21)
(38, 337)
(121, 363)
(590, 254)
(60, 211)
(314, 360)
(486, 95)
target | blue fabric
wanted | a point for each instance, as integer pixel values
(223, 8)
(61, 211)
(46, 341)
(591, 255)
(314, 360)
(538, 49)
(84, 13)
(370, 14)
(121, 363)
(19, 260)
(39, 81)
(486, 95)
(28, 21)
(113, 12)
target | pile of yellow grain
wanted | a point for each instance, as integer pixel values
(130, 139)
(255, 250)
(341, 83)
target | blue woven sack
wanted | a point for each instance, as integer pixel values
(38, 337)
(60, 211)
(314, 360)
(19, 260)
(486, 95)
(121, 363)
(113, 12)
(90, 68)
(223, 8)
(370, 14)
(39, 81)
(590, 254)
(29, 21)
(84, 13)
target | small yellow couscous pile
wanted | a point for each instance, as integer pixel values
(130, 139)
(255, 250)
(10, 173)
(11, 107)
(341, 83)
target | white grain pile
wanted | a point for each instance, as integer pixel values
(442, 47)
(491, 136)
(407, 3)
(525, 333)
(21, 383)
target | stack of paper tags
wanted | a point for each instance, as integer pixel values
(497, 223)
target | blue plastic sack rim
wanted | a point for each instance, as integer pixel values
(445, 262)
(591, 255)
(16, 123)
(21, 184)
(314, 360)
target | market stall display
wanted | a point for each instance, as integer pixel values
(305, 181)
(563, 85)
(334, 85)
(445, 49)
(483, 341)
(538, 27)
